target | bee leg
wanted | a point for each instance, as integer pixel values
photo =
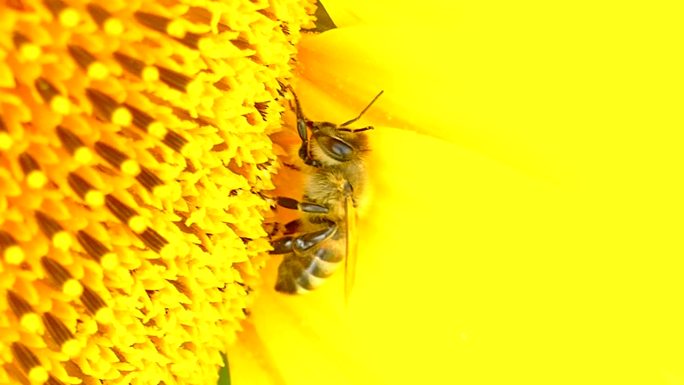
(292, 226)
(307, 207)
(283, 244)
(303, 242)
(277, 228)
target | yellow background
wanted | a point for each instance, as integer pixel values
(527, 221)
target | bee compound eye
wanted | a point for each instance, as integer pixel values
(335, 148)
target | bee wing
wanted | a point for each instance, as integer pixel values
(350, 252)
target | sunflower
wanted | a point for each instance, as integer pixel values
(134, 153)
(526, 218)
(527, 203)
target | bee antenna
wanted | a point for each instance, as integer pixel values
(362, 112)
(296, 99)
(301, 119)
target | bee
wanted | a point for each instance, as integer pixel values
(325, 235)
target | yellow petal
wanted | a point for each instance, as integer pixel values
(520, 85)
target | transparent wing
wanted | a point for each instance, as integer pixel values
(350, 252)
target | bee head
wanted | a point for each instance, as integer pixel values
(330, 144)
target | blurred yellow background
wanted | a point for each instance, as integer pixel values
(527, 221)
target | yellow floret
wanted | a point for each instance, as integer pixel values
(31, 322)
(72, 288)
(71, 348)
(14, 255)
(36, 179)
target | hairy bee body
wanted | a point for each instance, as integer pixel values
(316, 244)
(306, 270)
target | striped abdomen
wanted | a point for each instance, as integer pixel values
(304, 271)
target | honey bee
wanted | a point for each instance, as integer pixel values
(325, 235)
